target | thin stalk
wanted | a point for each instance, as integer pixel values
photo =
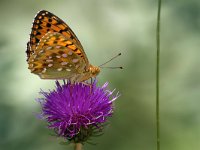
(158, 77)
(78, 146)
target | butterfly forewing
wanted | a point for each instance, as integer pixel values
(45, 22)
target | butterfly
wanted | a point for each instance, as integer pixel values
(54, 51)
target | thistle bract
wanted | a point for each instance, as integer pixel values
(77, 111)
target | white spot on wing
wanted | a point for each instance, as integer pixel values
(70, 53)
(75, 60)
(64, 55)
(58, 46)
(48, 48)
(41, 51)
(50, 65)
(59, 69)
(44, 70)
(77, 66)
(49, 60)
(64, 63)
(34, 56)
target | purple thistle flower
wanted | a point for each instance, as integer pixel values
(77, 111)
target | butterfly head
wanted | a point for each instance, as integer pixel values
(91, 72)
(94, 70)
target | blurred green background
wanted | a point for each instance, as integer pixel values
(105, 28)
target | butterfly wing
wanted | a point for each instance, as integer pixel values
(45, 22)
(56, 57)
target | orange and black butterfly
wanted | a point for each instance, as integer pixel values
(54, 51)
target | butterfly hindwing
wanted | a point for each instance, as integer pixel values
(56, 56)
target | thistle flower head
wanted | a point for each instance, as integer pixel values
(77, 111)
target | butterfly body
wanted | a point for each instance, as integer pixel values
(54, 51)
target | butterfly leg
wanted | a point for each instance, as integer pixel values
(64, 81)
(91, 80)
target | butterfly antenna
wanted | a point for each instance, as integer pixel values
(109, 61)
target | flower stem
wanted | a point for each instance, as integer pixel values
(158, 77)
(78, 146)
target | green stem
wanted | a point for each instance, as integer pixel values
(158, 76)
(78, 146)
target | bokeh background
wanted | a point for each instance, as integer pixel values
(105, 28)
